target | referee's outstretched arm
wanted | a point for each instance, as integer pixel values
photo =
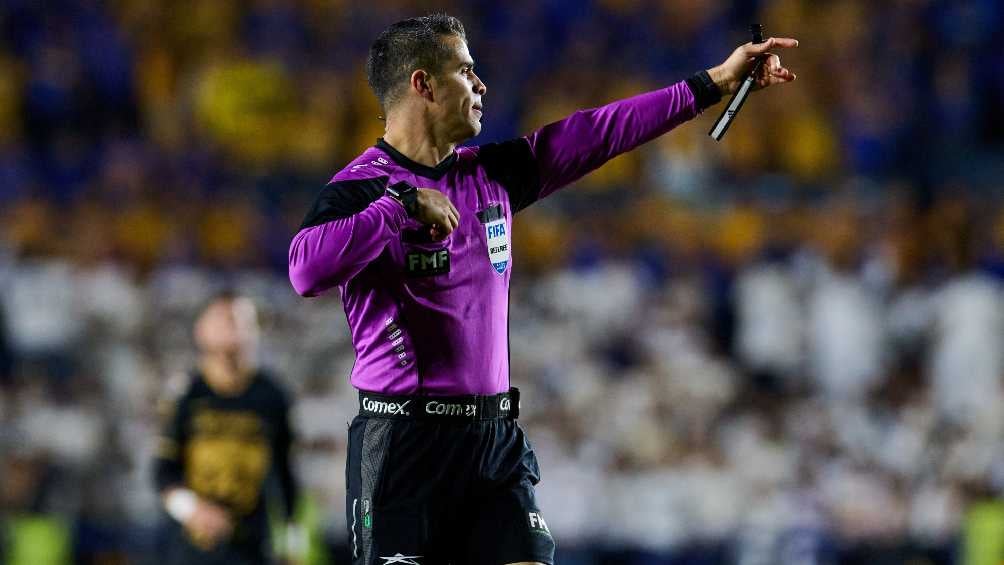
(354, 218)
(571, 148)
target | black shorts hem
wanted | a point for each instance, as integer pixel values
(521, 560)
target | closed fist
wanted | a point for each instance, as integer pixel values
(437, 212)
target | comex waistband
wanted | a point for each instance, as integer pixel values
(504, 405)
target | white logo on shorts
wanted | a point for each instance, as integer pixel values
(403, 559)
(537, 522)
(382, 407)
(442, 409)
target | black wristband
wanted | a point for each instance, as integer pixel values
(706, 92)
(406, 194)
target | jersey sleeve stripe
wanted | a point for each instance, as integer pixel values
(512, 164)
(341, 199)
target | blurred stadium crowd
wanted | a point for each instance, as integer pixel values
(786, 348)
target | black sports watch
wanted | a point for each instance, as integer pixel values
(406, 194)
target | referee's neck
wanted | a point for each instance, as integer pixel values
(417, 140)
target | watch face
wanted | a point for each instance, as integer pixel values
(400, 188)
(406, 194)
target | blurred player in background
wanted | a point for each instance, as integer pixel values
(415, 235)
(225, 436)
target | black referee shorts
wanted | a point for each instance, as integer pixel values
(443, 481)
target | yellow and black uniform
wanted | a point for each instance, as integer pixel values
(224, 448)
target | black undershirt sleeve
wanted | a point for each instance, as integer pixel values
(706, 92)
(512, 164)
(341, 199)
(169, 465)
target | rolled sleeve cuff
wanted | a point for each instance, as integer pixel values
(706, 92)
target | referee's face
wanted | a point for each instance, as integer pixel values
(458, 93)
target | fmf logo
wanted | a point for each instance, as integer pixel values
(425, 263)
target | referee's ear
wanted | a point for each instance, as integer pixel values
(420, 83)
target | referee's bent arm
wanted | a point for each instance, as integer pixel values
(349, 226)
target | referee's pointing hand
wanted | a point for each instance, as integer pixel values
(436, 211)
(730, 74)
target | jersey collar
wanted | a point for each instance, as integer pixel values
(434, 173)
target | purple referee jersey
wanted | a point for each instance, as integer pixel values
(431, 317)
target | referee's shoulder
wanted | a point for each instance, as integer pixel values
(469, 157)
(468, 153)
(371, 164)
(498, 152)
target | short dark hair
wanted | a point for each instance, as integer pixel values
(415, 43)
(223, 294)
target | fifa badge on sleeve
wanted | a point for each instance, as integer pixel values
(493, 219)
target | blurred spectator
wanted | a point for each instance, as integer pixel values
(844, 317)
(225, 436)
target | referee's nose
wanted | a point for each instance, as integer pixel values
(479, 86)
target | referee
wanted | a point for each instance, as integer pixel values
(415, 234)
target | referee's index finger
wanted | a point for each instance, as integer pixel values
(758, 48)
